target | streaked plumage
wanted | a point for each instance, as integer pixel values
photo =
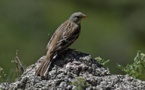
(63, 37)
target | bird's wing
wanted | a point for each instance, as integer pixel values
(69, 34)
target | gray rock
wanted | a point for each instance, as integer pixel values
(75, 70)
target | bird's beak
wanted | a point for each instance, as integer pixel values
(84, 16)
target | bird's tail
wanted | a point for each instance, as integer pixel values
(43, 68)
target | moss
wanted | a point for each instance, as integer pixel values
(80, 83)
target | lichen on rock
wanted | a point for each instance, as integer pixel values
(74, 71)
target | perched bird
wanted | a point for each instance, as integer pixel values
(63, 37)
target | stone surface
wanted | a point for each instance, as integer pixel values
(74, 71)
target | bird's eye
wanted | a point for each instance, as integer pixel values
(77, 17)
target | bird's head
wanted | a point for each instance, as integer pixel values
(77, 17)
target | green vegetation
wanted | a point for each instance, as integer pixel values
(137, 68)
(2, 75)
(18, 70)
(102, 61)
(18, 63)
(80, 83)
(14, 74)
(114, 29)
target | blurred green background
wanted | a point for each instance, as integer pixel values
(114, 29)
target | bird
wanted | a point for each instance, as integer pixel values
(65, 35)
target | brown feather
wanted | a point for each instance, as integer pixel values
(63, 37)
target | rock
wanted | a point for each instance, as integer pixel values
(74, 71)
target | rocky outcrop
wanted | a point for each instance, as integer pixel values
(74, 71)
